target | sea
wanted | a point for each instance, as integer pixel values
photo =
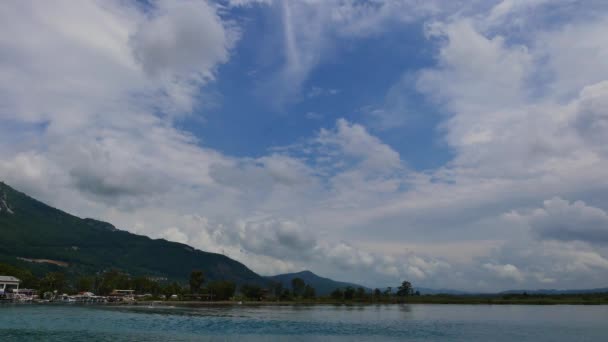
(419, 322)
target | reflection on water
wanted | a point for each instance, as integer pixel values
(304, 322)
(405, 308)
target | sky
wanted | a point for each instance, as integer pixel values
(455, 144)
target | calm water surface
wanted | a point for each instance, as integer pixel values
(304, 323)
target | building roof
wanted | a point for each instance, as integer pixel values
(9, 279)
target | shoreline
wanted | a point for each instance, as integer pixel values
(455, 301)
(272, 303)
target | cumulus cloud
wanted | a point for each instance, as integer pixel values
(563, 264)
(272, 245)
(180, 44)
(507, 271)
(562, 220)
(279, 239)
(95, 89)
(174, 234)
(591, 118)
(521, 131)
(354, 141)
(89, 89)
(119, 46)
(421, 268)
(170, 41)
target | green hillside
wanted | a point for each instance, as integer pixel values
(30, 229)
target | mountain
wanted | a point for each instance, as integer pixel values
(42, 238)
(556, 292)
(428, 291)
(323, 286)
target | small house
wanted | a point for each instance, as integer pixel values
(8, 284)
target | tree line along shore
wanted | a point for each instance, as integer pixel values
(121, 287)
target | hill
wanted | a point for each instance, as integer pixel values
(428, 291)
(42, 238)
(557, 292)
(323, 286)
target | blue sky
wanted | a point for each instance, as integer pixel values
(451, 143)
(342, 86)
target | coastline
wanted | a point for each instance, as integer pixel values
(428, 301)
(355, 303)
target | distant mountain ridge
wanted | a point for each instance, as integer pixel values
(429, 291)
(32, 230)
(323, 286)
(556, 292)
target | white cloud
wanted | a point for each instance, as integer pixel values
(271, 245)
(113, 57)
(561, 220)
(559, 50)
(507, 271)
(174, 234)
(476, 76)
(180, 44)
(97, 87)
(81, 80)
(245, 3)
(508, 9)
(170, 41)
(354, 141)
(591, 118)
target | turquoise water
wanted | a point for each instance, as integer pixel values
(304, 323)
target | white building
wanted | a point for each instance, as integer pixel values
(8, 283)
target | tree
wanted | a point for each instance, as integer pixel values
(53, 281)
(173, 289)
(143, 284)
(221, 289)
(251, 291)
(197, 278)
(337, 294)
(360, 294)
(377, 293)
(111, 280)
(85, 283)
(309, 292)
(349, 293)
(405, 289)
(297, 286)
(286, 295)
(277, 289)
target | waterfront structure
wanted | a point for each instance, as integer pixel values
(122, 296)
(117, 292)
(82, 297)
(8, 284)
(25, 292)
